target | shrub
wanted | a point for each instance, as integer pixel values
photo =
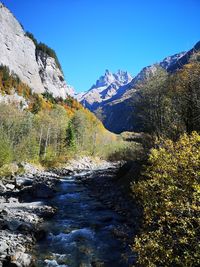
(170, 193)
(8, 170)
(5, 150)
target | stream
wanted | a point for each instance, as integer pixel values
(81, 234)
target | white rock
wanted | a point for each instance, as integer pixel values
(18, 52)
(105, 88)
(52, 77)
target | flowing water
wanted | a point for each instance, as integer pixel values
(81, 232)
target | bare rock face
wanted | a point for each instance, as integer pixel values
(18, 51)
(106, 87)
(51, 76)
(34, 67)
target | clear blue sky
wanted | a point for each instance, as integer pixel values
(90, 36)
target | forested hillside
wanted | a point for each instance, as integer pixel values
(168, 107)
(41, 128)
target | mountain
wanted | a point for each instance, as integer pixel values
(105, 88)
(40, 71)
(113, 101)
(185, 58)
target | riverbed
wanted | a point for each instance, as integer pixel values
(83, 231)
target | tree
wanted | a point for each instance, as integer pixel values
(152, 104)
(70, 136)
(184, 88)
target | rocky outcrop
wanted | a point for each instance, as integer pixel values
(35, 68)
(51, 76)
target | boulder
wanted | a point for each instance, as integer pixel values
(10, 186)
(20, 259)
(41, 190)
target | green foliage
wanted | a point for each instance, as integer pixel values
(5, 72)
(169, 194)
(50, 52)
(8, 170)
(27, 149)
(44, 48)
(49, 97)
(124, 150)
(70, 137)
(5, 150)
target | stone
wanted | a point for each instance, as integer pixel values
(13, 225)
(2, 187)
(10, 186)
(23, 181)
(40, 234)
(25, 228)
(3, 247)
(41, 190)
(21, 259)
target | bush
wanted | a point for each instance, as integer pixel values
(5, 150)
(27, 149)
(8, 170)
(169, 194)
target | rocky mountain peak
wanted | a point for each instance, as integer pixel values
(119, 78)
(105, 88)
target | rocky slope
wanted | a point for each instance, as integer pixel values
(38, 70)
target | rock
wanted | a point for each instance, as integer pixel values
(40, 234)
(3, 247)
(18, 51)
(51, 76)
(2, 187)
(34, 67)
(13, 225)
(41, 190)
(23, 181)
(10, 186)
(25, 228)
(21, 259)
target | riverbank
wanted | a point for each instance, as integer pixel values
(22, 210)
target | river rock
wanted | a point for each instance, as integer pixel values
(23, 181)
(20, 259)
(2, 187)
(41, 190)
(10, 186)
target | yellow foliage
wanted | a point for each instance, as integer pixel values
(170, 195)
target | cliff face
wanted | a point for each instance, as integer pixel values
(18, 51)
(38, 70)
(51, 76)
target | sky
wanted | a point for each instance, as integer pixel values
(90, 36)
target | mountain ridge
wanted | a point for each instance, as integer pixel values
(117, 112)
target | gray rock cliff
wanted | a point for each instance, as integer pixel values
(18, 52)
